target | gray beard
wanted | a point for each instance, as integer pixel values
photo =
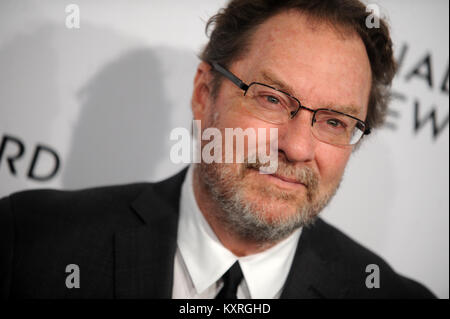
(246, 219)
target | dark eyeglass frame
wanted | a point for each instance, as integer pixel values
(243, 86)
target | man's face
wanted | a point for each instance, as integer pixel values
(323, 69)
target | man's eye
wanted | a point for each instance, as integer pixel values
(272, 99)
(335, 123)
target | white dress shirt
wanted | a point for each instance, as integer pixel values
(201, 259)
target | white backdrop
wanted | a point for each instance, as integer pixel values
(103, 99)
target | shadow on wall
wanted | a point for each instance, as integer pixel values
(123, 124)
(28, 82)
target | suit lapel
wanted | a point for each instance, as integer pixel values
(144, 255)
(313, 271)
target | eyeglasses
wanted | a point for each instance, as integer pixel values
(275, 106)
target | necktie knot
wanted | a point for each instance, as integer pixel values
(231, 279)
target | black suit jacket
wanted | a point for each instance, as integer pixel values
(123, 238)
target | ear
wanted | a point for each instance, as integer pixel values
(201, 94)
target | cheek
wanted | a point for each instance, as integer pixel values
(331, 162)
(234, 115)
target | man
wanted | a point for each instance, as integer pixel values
(310, 69)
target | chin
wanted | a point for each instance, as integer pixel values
(273, 204)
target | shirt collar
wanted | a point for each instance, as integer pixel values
(207, 259)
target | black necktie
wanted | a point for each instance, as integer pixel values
(231, 279)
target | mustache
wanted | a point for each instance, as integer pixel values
(304, 175)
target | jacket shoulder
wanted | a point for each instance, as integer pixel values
(43, 231)
(361, 271)
(88, 205)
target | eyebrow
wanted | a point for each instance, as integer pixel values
(283, 86)
(347, 109)
(273, 80)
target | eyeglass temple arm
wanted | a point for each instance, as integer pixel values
(367, 129)
(230, 76)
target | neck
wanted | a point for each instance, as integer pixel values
(233, 242)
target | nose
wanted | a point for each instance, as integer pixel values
(295, 138)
